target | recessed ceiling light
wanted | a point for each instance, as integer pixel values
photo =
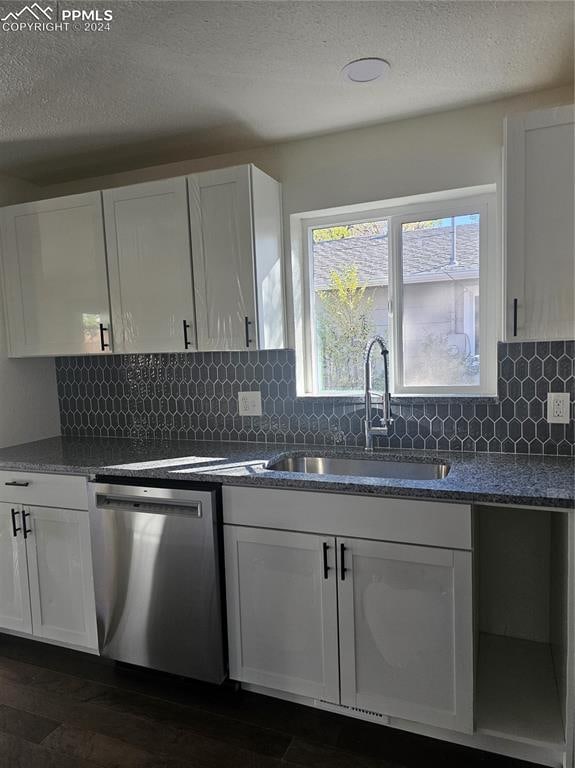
(365, 70)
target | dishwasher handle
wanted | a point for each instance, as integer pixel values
(151, 506)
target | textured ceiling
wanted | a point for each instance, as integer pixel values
(175, 80)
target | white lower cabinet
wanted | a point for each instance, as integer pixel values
(377, 626)
(60, 572)
(14, 595)
(46, 583)
(282, 611)
(405, 631)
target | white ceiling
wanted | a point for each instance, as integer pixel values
(175, 80)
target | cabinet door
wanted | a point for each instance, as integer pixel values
(539, 225)
(61, 582)
(150, 266)
(14, 595)
(282, 611)
(406, 632)
(222, 252)
(56, 285)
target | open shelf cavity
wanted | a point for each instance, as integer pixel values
(522, 636)
(517, 693)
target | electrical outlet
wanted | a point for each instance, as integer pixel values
(250, 403)
(558, 407)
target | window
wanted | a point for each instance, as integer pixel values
(439, 277)
(350, 298)
(419, 275)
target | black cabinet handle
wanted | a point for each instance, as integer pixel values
(18, 483)
(187, 342)
(515, 317)
(248, 322)
(343, 569)
(326, 568)
(25, 530)
(15, 528)
(103, 345)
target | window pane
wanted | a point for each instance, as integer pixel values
(440, 270)
(350, 285)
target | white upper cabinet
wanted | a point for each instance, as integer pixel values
(219, 289)
(55, 277)
(150, 267)
(540, 261)
(235, 217)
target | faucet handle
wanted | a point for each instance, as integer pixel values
(375, 393)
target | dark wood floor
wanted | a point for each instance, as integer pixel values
(62, 709)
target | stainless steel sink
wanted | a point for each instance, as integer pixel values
(400, 470)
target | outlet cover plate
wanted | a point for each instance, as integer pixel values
(250, 403)
(558, 407)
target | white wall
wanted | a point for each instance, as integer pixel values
(446, 150)
(28, 396)
(458, 148)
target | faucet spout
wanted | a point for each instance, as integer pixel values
(386, 420)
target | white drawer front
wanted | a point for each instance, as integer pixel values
(43, 490)
(432, 523)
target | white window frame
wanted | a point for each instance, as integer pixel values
(482, 200)
(469, 318)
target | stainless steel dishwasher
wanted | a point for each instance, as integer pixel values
(157, 577)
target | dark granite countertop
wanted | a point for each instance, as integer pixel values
(473, 477)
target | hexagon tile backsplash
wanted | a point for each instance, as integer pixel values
(194, 396)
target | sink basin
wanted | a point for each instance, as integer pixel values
(400, 470)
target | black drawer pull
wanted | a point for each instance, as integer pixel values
(15, 528)
(25, 530)
(103, 345)
(248, 322)
(515, 302)
(343, 569)
(326, 568)
(18, 483)
(187, 342)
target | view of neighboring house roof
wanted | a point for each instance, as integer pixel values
(425, 252)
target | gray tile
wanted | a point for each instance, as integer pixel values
(194, 396)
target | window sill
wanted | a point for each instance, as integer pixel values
(404, 399)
